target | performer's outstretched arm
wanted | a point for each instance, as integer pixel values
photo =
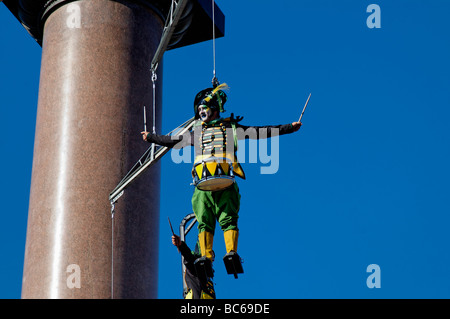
(178, 141)
(257, 132)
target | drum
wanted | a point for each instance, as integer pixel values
(214, 174)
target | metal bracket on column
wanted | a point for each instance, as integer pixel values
(176, 10)
(183, 232)
(146, 161)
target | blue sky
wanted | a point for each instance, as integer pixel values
(364, 181)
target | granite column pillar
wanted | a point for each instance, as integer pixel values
(94, 82)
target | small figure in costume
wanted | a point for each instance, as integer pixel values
(216, 196)
(198, 287)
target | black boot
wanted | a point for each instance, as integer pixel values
(233, 263)
(203, 266)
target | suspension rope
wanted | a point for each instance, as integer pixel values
(154, 78)
(214, 41)
(112, 249)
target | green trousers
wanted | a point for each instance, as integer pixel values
(222, 206)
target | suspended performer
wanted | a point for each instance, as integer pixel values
(216, 196)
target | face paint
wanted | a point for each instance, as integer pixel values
(204, 112)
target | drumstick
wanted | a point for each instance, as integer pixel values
(145, 121)
(173, 234)
(304, 108)
(170, 224)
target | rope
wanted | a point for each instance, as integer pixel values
(112, 249)
(214, 40)
(154, 78)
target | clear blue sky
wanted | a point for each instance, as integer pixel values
(365, 181)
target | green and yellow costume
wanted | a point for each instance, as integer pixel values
(210, 141)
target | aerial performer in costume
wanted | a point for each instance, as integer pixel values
(216, 196)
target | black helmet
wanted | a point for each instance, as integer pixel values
(215, 98)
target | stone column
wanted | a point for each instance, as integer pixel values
(94, 82)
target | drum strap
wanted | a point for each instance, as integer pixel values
(233, 125)
(236, 165)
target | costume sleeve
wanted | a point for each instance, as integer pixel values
(179, 141)
(261, 132)
(186, 252)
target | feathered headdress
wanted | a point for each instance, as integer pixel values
(220, 87)
(213, 97)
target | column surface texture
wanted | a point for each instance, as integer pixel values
(94, 83)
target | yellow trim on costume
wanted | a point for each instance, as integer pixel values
(231, 239)
(218, 158)
(225, 167)
(205, 240)
(205, 295)
(189, 295)
(211, 167)
(199, 170)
